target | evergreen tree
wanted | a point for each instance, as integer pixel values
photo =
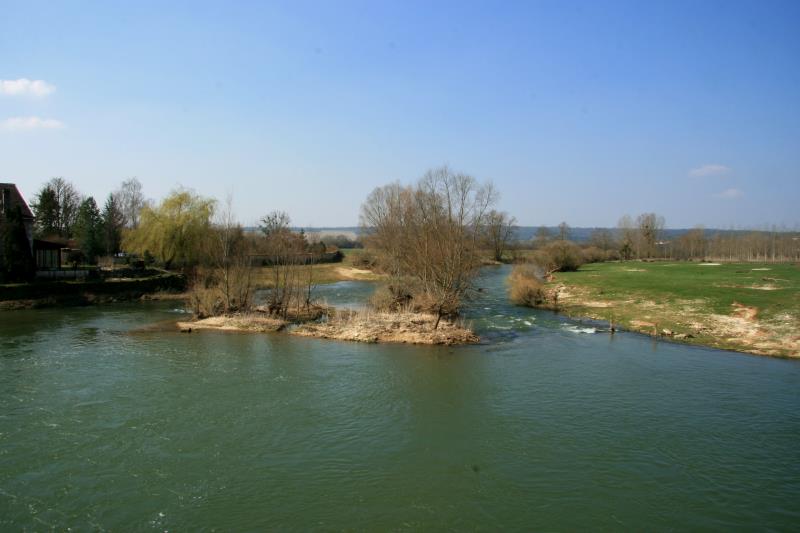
(113, 221)
(47, 211)
(16, 260)
(88, 229)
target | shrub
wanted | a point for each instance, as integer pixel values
(399, 295)
(525, 286)
(565, 256)
(593, 254)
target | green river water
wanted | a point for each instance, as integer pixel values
(546, 425)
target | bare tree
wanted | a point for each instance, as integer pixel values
(499, 232)
(563, 231)
(650, 227)
(692, 244)
(430, 233)
(542, 236)
(131, 201)
(286, 250)
(68, 201)
(627, 237)
(230, 253)
(602, 238)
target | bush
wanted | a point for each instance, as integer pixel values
(399, 295)
(525, 286)
(407, 295)
(593, 254)
(564, 256)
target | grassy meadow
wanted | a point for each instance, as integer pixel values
(741, 306)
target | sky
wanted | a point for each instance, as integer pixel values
(576, 111)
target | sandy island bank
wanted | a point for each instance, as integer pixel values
(371, 327)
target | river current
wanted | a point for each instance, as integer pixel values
(109, 424)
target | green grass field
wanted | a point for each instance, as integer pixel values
(743, 306)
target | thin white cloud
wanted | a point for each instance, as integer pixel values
(30, 123)
(26, 87)
(709, 170)
(730, 194)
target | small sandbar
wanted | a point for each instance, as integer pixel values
(256, 323)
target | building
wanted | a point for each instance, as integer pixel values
(47, 253)
(10, 197)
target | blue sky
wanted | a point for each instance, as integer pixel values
(577, 111)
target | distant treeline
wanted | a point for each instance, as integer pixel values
(580, 235)
(646, 238)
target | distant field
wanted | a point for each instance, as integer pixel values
(742, 306)
(326, 272)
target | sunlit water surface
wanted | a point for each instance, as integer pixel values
(545, 425)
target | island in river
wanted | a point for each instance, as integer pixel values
(347, 325)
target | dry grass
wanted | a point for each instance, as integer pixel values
(395, 327)
(525, 287)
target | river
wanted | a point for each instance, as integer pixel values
(546, 425)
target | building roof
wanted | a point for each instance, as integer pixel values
(42, 244)
(17, 199)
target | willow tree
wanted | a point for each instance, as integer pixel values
(430, 233)
(175, 231)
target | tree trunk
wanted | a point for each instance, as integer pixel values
(438, 318)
